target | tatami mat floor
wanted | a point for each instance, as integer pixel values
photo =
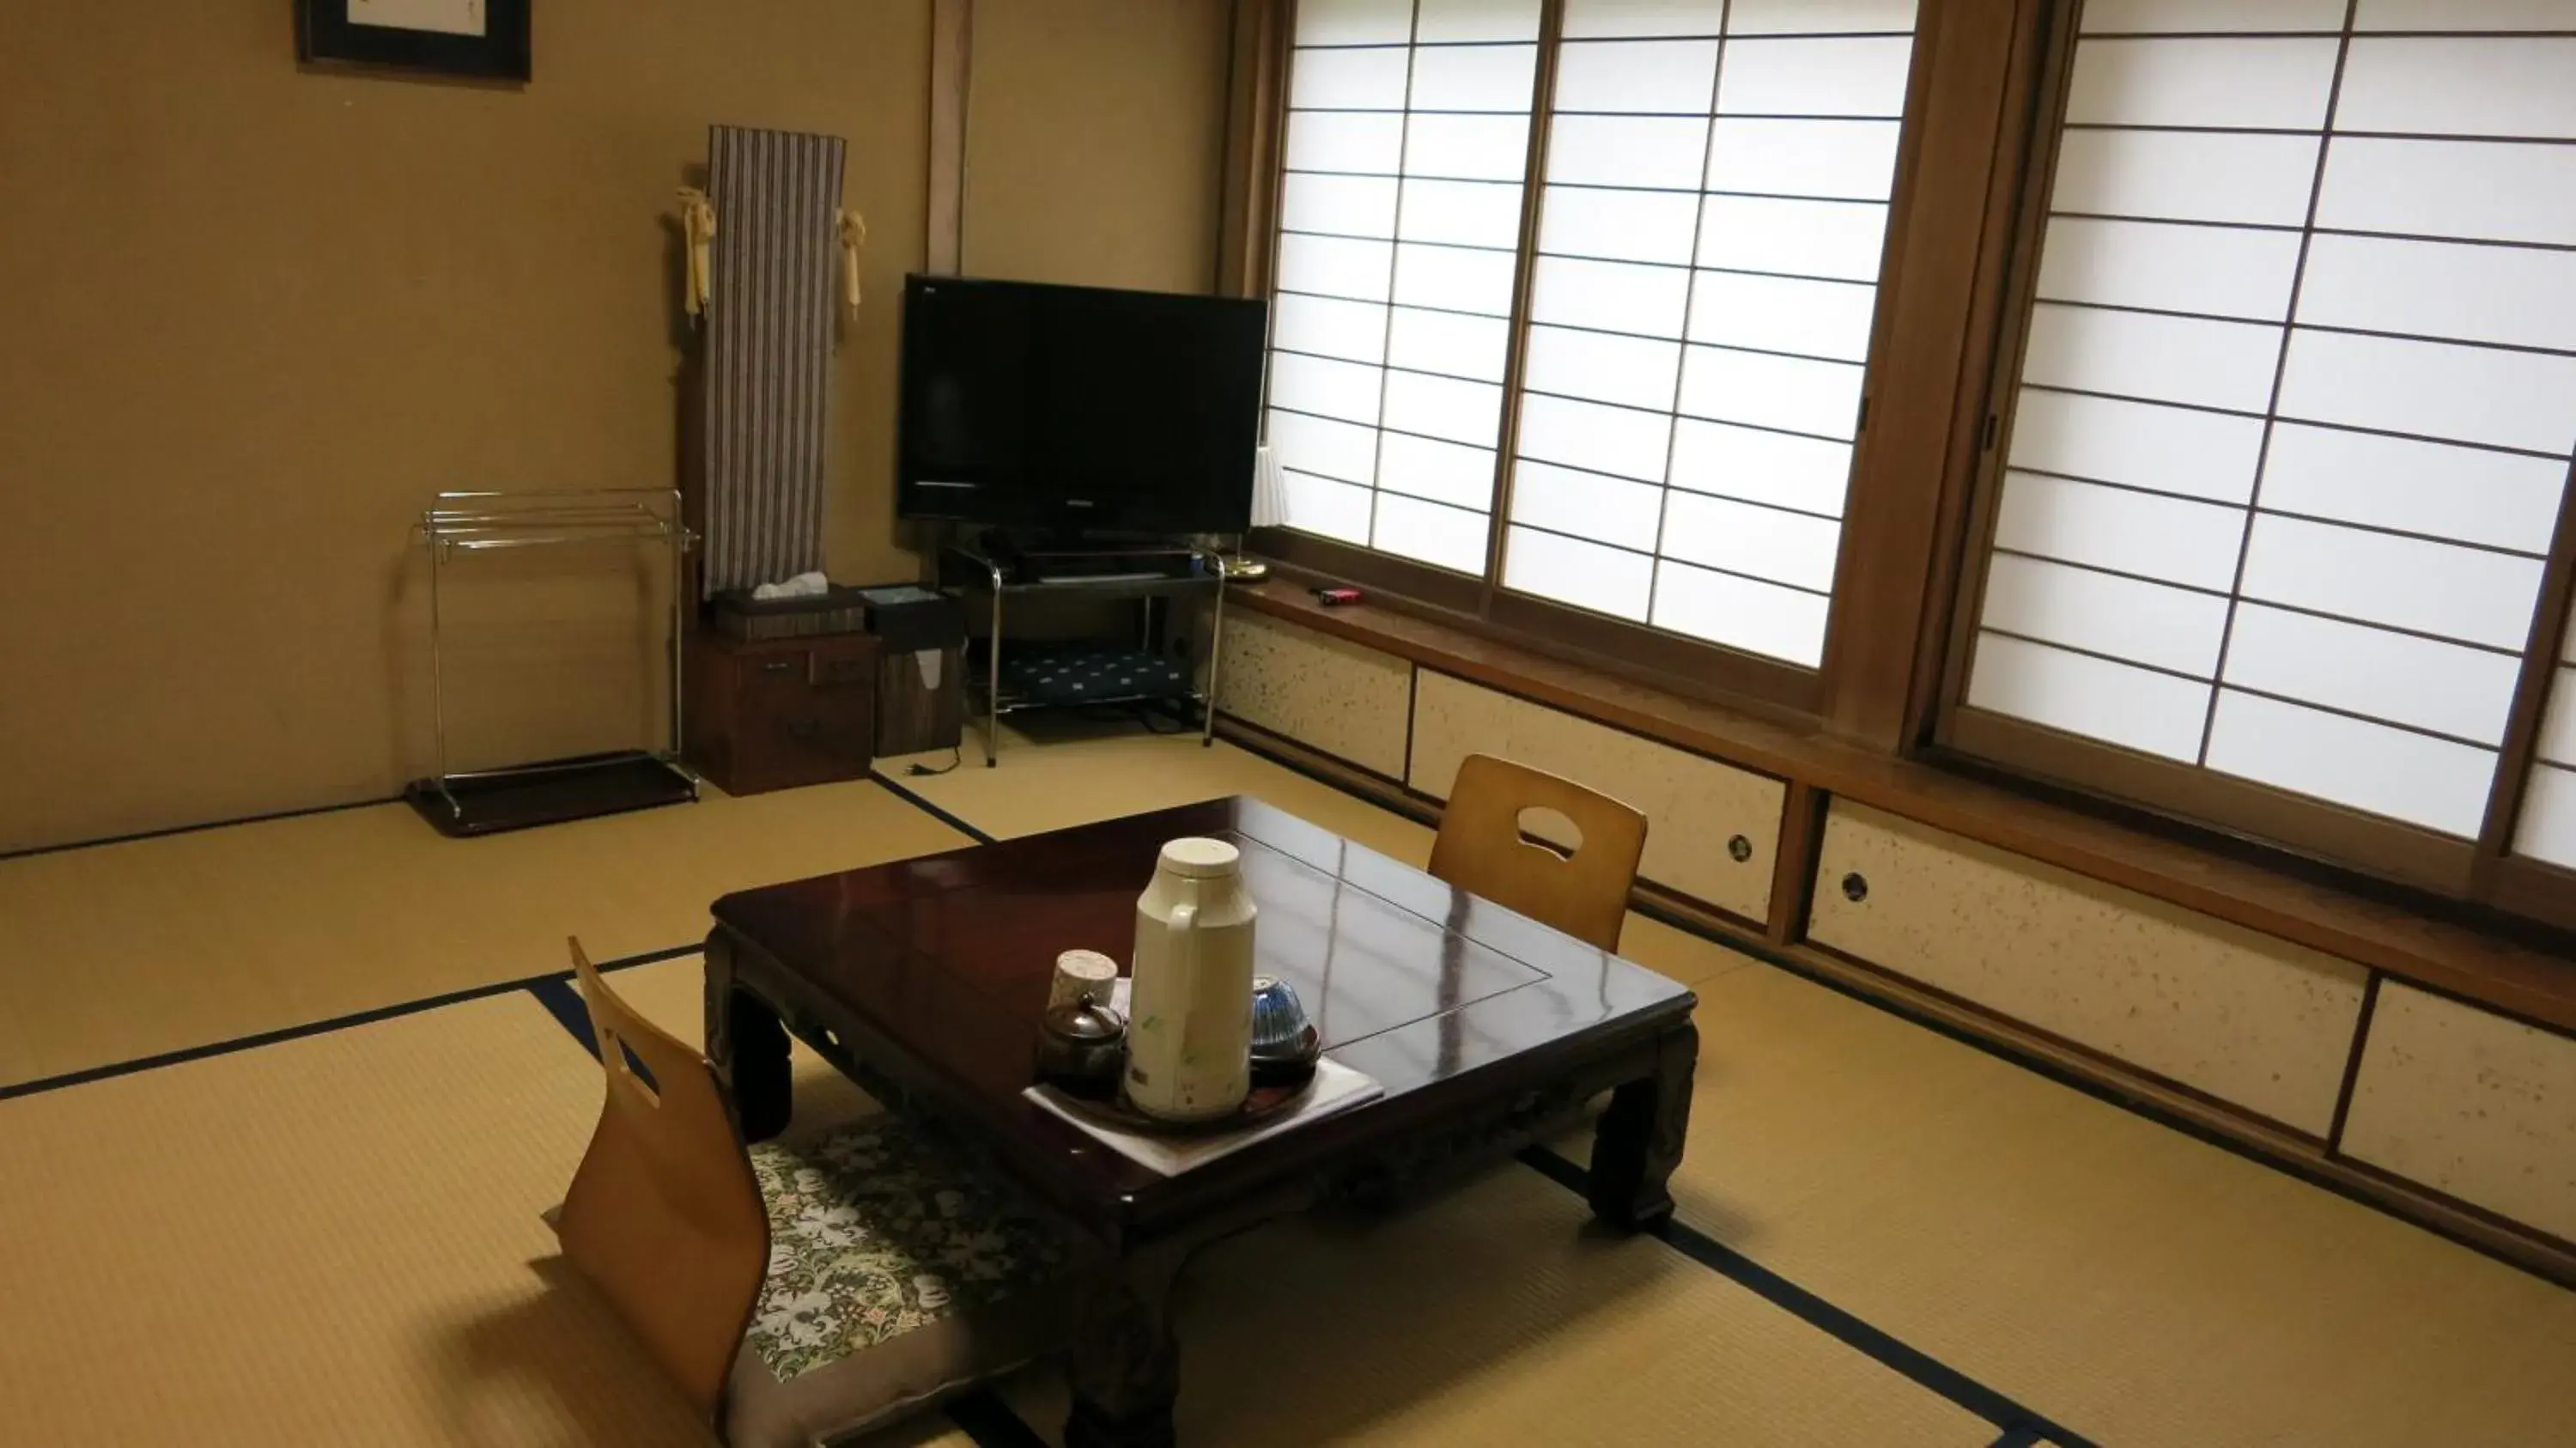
(2132, 1282)
(333, 1239)
(329, 1240)
(130, 950)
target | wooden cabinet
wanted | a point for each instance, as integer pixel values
(779, 713)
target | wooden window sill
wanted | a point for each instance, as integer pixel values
(2383, 934)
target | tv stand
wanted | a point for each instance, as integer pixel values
(1061, 559)
(996, 567)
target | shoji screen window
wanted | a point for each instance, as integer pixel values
(1400, 217)
(2295, 408)
(1716, 196)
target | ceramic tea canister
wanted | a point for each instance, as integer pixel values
(1080, 973)
(1189, 1034)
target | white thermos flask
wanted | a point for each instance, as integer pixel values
(1189, 1035)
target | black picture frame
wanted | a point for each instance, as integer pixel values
(325, 33)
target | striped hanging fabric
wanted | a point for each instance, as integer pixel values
(768, 351)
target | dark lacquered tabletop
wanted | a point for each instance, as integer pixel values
(1438, 994)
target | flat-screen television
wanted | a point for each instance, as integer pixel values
(1078, 410)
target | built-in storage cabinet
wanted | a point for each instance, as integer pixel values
(1347, 700)
(2253, 1021)
(2471, 1104)
(1713, 831)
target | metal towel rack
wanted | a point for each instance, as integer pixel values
(483, 801)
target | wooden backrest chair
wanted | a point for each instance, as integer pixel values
(665, 1215)
(682, 1227)
(1482, 848)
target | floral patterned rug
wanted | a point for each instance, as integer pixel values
(882, 1227)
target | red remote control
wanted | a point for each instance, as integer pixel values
(1336, 597)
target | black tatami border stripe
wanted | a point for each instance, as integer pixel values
(323, 1027)
(1886, 1350)
(198, 828)
(562, 1000)
(905, 794)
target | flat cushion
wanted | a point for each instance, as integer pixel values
(1088, 674)
(900, 1271)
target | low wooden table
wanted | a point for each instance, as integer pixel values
(925, 979)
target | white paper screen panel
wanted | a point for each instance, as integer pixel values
(2297, 399)
(1400, 214)
(1706, 284)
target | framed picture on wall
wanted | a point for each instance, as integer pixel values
(452, 37)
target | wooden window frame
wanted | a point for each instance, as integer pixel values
(1960, 122)
(2481, 872)
(1974, 164)
(2499, 877)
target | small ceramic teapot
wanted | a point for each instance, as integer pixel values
(1082, 1042)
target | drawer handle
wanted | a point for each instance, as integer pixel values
(1855, 887)
(1739, 849)
(776, 666)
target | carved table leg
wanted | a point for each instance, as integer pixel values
(1639, 1140)
(748, 1045)
(1125, 1365)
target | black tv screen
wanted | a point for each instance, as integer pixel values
(1078, 409)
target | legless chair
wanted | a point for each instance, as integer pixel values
(797, 1293)
(664, 1214)
(1481, 848)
